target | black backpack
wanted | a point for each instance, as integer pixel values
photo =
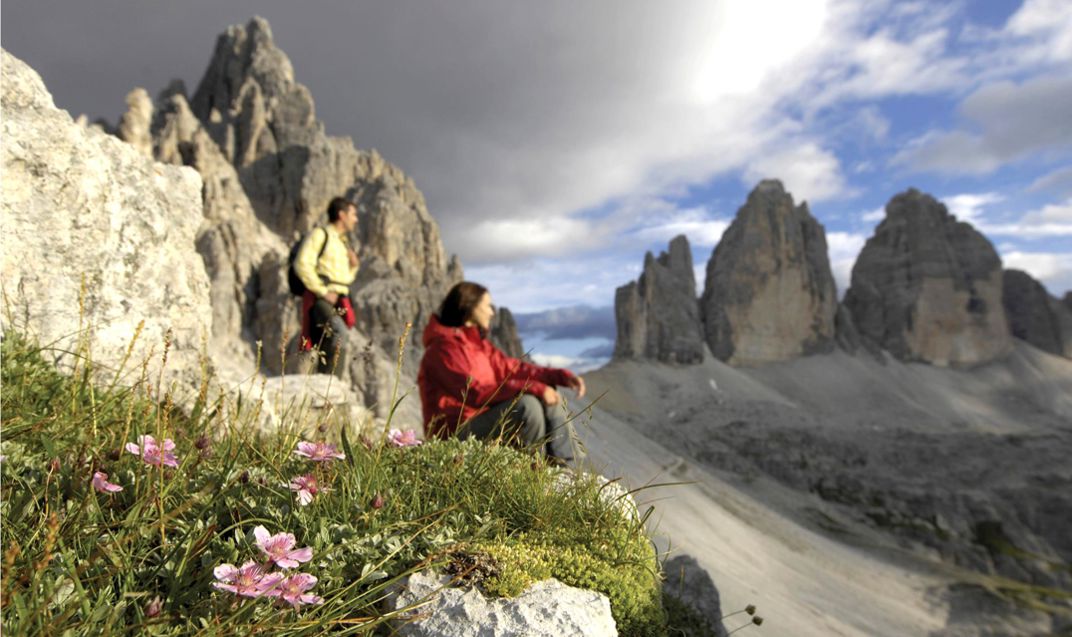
(297, 287)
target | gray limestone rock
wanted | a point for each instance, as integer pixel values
(232, 241)
(135, 123)
(545, 609)
(269, 171)
(98, 236)
(928, 288)
(503, 333)
(657, 315)
(769, 294)
(1034, 315)
(265, 125)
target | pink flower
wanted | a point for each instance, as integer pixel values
(318, 451)
(249, 580)
(307, 487)
(153, 454)
(100, 483)
(292, 590)
(407, 438)
(280, 548)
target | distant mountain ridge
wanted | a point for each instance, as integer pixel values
(925, 288)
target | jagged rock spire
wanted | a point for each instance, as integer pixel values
(769, 293)
(657, 315)
(928, 288)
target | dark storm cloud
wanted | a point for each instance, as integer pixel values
(501, 112)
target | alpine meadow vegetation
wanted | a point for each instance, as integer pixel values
(123, 513)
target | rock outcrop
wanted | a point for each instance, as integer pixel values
(269, 172)
(548, 608)
(232, 241)
(657, 315)
(769, 294)
(928, 288)
(1034, 315)
(503, 333)
(98, 237)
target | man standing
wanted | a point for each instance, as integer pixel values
(326, 310)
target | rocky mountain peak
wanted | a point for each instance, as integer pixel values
(927, 287)
(657, 315)
(769, 294)
(1034, 315)
(269, 171)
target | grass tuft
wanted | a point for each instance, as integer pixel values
(141, 560)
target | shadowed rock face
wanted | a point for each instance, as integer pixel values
(769, 294)
(657, 315)
(928, 288)
(1035, 316)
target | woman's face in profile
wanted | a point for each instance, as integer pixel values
(482, 312)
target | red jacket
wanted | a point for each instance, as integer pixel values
(462, 374)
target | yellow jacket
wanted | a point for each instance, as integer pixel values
(332, 271)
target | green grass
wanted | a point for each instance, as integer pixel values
(80, 562)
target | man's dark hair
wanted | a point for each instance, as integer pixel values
(457, 307)
(337, 205)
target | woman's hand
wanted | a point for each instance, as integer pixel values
(577, 384)
(550, 396)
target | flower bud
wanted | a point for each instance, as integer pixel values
(153, 608)
(377, 502)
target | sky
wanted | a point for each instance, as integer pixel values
(556, 142)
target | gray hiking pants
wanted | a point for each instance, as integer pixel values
(528, 423)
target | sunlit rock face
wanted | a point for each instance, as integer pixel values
(657, 315)
(98, 240)
(928, 288)
(769, 294)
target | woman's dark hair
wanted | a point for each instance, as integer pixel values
(335, 208)
(457, 306)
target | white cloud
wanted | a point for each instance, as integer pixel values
(535, 285)
(969, 206)
(809, 173)
(874, 216)
(1051, 213)
(734, 60)
(1048, 23)
(695, 223)
(844, 248)
(1049, 222)
(577, 364)
(1052, 269)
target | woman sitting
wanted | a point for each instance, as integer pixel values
(470, 388)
